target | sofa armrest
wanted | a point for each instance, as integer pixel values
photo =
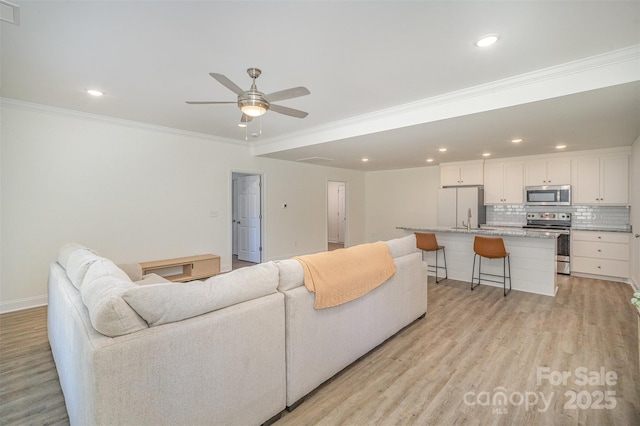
(133, 270)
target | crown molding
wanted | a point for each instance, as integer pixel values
(46, 109)
(612, 68)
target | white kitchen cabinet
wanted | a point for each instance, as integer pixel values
(461, 174)
(548, 172)
(503, 183)
(600, 253)
(601, 180)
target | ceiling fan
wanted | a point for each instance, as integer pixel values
(254, 103)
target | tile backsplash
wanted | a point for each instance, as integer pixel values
(615, 218)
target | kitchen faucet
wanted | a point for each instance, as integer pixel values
(468, 224)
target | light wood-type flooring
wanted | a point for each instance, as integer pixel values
(450, 368)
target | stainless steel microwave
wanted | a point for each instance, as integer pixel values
(548, 195)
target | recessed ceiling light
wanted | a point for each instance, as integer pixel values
(94, 92)
(429, 160)
(561, 146)
(486, 154)
(364, 160)
(516, 140)
(443, 150)
(487, 40)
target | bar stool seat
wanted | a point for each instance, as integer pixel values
(427, 242)
(491, 248)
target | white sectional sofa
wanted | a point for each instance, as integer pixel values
(226, 366)
(235, 349)
(320, 343)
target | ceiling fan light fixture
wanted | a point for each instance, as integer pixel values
(253, 108)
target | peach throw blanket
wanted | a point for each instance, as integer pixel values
(343, 275)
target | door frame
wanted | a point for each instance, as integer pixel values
(346, 209)
(232, 174)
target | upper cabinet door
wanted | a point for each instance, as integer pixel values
(601, 180)
(586, 184)
(449, 175)
(503, 183)
(548, 172)
(614, 180)
(559, 171)
(513, 183)
(461, 174)
(536, 171)
(472, 174)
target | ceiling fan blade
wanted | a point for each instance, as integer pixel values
(294, 92)
(210, 102)
(288, 111)
(227, 83)
(245, 118)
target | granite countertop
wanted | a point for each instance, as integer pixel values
(496, 231)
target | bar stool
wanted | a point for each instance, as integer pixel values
(491, 248)
(428, 242)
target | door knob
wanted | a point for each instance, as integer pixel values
(637, 235)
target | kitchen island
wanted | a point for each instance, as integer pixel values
(532, 253)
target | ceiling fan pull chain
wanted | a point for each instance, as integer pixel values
(260, 120)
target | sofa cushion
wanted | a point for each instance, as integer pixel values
(66, 250)
(291, 274)
(78, 264)
(152, 279)
(133, 270)
(163, 303)
(103, 267)
(109, 313)
(402, 246)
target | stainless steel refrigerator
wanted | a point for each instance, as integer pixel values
(455, 205)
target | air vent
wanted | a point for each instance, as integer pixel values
(9, 12)
(314, 159)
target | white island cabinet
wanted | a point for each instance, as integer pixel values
(532, 253)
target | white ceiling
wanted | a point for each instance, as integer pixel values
(392, 81)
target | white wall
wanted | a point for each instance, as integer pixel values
(136, 193)
(634, 194)
(405, 197)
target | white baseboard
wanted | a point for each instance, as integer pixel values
(20, 304)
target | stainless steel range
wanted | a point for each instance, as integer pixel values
(560, 223)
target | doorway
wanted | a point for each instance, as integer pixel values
(246, 219)
(336, 214)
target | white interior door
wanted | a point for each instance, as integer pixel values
(234, 216)
(342, 212)
(336, 212)
(249, 244)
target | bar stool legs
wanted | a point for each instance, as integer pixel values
(491, 248)
(428, 242)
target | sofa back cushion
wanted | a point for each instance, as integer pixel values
(291, 274)
(78, 264)
(109, 313)
(164, 303)
(66, 250)
(402, 246)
